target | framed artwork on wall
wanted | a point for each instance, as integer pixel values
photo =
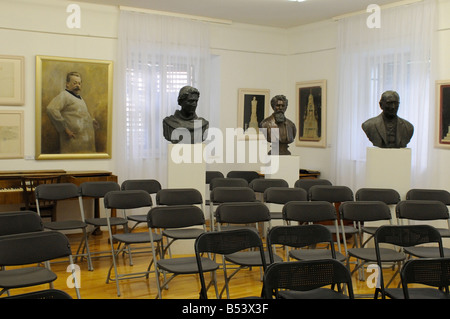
(311, 116)
(253, 107)
(443, 114)
(73, 108)
(12, 74)
(11, 132)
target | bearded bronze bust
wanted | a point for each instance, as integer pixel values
(286, 128)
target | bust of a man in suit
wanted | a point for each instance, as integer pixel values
(387, 130)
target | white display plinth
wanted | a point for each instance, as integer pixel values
(388, 168)
(186, 168)
(286, 167)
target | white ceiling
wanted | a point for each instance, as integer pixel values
(274, 13)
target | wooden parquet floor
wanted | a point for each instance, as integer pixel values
(94, 286)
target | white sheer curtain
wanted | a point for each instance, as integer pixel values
(395, 56)
(157, 55)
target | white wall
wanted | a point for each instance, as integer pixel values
(248, 57)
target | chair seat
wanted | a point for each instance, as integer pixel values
(250, 258)
(115, 221)
(417, 293)
(319, 293)
(314, 254)
(138, 218)
(65, 225)
(276, 215)
(444, 232)
(426, 252)
(349, 230)
(370, 230)
(42, 294)
(186, 265)
(184, 233)
(368, 254)
(136, 238)
(25, 277)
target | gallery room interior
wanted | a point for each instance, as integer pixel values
(120, 67)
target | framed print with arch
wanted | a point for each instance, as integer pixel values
(443, 114)
(311, 116)
(73, 108)
(11, 132)
(253, 107)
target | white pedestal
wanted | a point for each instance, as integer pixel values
(186, 168)
(286, 167)
(388, 168)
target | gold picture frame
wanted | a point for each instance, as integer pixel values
(250, 99)
(12, 75)
(311, 116)
(443, 114)
(11, 131)
(96, 92)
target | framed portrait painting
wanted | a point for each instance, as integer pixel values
(11, 132)
(12, 88)
(311, 113)
(253, 107)
(443, 114)
(73, 108)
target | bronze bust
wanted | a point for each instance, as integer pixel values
(387, 130)
(286, 128)
(186, 120)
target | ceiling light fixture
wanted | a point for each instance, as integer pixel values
(296, 0)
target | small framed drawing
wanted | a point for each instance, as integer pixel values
(12, 91)
(253, 107)
(11, 132)
(443, 114)
(73, 108)
(311, 116)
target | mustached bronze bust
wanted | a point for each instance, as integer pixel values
(185, 126)
(388, 130)
(286, 128)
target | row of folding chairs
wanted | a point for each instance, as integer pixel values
(25, 254)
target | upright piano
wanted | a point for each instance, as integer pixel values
(11, 191)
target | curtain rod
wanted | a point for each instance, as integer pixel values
(386, 6)
(177, 15)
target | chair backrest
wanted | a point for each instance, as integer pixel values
(36, 247)
(151, 186)
(97, 189)
(407, 236)
(433, 272)
(175, 216)
(365, 211)
(305, 275)
(387, 195)
(306, 183)
(224, 243)
(232, 194)
(429, 194)
(20, 222)
(303, 211)
(330, 193)
(421, 210)
(129, 199)
(29, 185)
(213, 174)
(179, 196)
(247, 175)
(299, 236)
(282, 195)
(56, 192)
(260, 185)
(242, 213)
(227, 182)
